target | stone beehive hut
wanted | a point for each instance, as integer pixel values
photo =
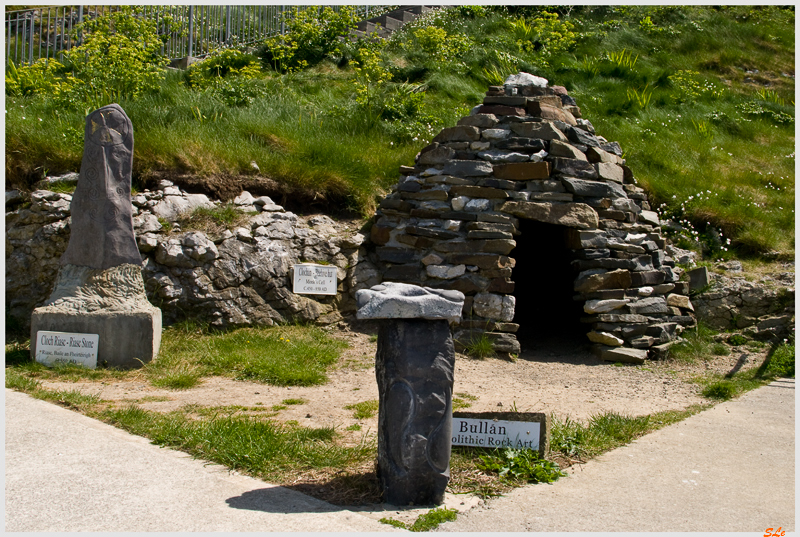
(539, 222)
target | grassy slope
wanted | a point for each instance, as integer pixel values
(720, 159)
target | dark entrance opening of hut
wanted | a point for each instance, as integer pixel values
(543, 287)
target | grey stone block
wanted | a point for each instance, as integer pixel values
(127, 339)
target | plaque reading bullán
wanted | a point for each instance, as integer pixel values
(314, 279)
(522, 430)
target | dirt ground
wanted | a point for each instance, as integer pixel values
(555, 377)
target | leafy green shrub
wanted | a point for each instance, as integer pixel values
(311, 35)
(229, 75)
(371, 83)
(44, 76)
(473, 12)
(239, 91)
(222, 63)
(120, 57)
(545, 33)
(439, 46)
(520, 464)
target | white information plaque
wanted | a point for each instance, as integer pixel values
(65, 348)
(495, 433)
(312, 279)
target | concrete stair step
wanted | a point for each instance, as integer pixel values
(419, 10)
(402, 15)
(389, 23)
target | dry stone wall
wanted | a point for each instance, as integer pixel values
(452, 222)
(762, 309)
(232, 278)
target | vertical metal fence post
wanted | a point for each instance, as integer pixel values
(41, 29)
(8, 40)
(29, 35)
(227, 24)
(283, 22)
(80, 21)
(191, 32)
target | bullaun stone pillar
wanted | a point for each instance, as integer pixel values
(414, 369)
(99, 288)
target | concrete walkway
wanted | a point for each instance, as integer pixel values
(730, 468)
(66, 472)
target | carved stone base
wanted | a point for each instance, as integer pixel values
(414, 368)
(111, 303)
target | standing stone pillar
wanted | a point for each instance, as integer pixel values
(99, 288)
(414, 368)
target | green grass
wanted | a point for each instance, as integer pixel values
(709, 138)
(779, 362)
(430, 520)
(281, 356)
(426, 521)
(394, 523)
(463, 400)
(259, 447)
(225, 216)
(480, 347)
(604, 432)
(698, 345)
(364, 410)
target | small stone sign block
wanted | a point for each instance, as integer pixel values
(310, 279)
(502, 429)
(127, 339)
(67, 348)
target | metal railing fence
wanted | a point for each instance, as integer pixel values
(47, 32)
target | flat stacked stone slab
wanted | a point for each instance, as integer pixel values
(476, 174)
